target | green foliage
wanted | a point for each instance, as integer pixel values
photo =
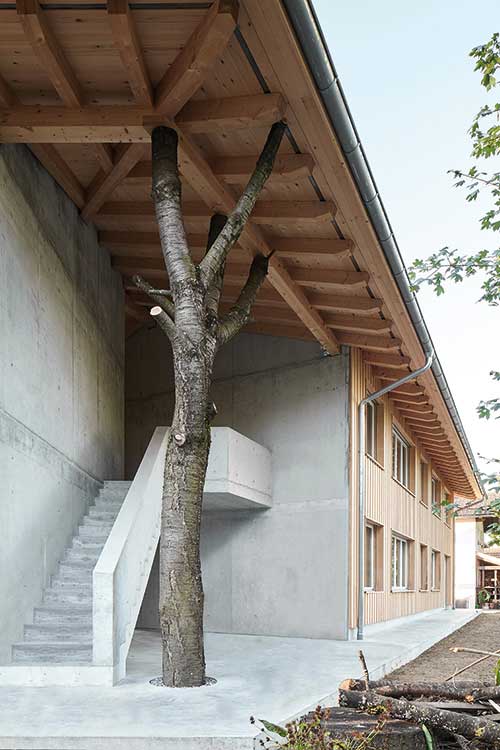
(497, 673)
(310, 733)
(483, 596)
(429, 739)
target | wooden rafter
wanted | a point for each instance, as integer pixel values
(48, 51)
(265, 212)
(105, 183)
(237, 169)
(7, 96)
(205, 45)
(118, 123)
(376, 343)
(127, 43)
(59, 170)
(394, 361)
(234, 113)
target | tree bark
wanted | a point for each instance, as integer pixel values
(469, 691)
(470, 727)
(188, 313)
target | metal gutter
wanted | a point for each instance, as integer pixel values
(308, 32)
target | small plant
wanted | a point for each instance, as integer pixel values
(483, 597)
(311, 733)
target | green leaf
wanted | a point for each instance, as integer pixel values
(273, 728)
(497, 674)
(429, 739)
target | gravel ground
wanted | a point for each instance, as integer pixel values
(438, 663)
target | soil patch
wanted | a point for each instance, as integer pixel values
(438, 662)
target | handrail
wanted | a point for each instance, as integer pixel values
(122, 570)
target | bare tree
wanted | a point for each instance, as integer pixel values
(188, 313)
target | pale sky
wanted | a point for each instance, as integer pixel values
(412, 91)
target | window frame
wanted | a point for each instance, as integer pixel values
(400, 572)
(436, 493)
(435, 570)
(401, 455)
(424, 483)
(374, 431)
(372, 546)
(424, 558)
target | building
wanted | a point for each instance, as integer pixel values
(85, 379)
(477, 566)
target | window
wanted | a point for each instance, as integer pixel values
(436, 496)
(435, 570)
(448, 510)
(400, 559)
(401, 452)
(424, 483)
(424, 563)
(374, 445)
(374, 550)
(369, 556)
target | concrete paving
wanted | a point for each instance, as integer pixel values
(269, 677)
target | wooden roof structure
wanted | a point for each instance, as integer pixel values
(82, 84)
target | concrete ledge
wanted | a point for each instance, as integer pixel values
(60, 675)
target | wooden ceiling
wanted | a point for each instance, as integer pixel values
(83, 84)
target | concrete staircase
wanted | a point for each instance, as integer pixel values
(61, 632)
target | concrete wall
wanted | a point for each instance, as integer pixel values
(282, 571)
(61, 380)
(465, 561)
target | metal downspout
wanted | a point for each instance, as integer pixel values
(361, 483)
(308, 32)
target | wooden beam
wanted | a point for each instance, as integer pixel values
(411, 388)
(420, 417)
(7, 96)
(127, 43)
(287, 168)
(48, 51)
(360, 323)
(408, 409)
(115, 123)
(281, 330)
(344, 303)
(104, 184)
(237, 112)
(237, 170)
(377, 343)
(142, 243)
(265, 212)
(203, 48)
(394, 361)
(388, 373)
(104, 155)
(59, 170)
(406, 398)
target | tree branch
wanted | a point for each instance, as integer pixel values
(239, 314)
(166, 195)
(470, 727)
(161, 300)
(214, 259)
(164, 321)
(212, 297)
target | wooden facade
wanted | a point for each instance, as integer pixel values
(394, 509)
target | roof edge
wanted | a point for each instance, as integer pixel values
(306, 26)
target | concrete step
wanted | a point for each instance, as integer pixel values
(102, 515)
(57, 614)
(71, 584)
(51, 653)
(69, 595)
(90, 546)
(90, 522)
(74, 571)
(107, 505)
(93, 534)
(55, 633)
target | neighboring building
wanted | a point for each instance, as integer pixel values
(85, 377)
(477, 564)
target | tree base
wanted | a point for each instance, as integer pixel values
(158, 682)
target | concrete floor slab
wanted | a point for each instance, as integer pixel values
(269, 677)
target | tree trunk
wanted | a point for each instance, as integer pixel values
(188, 313)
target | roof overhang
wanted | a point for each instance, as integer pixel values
(82, 84)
